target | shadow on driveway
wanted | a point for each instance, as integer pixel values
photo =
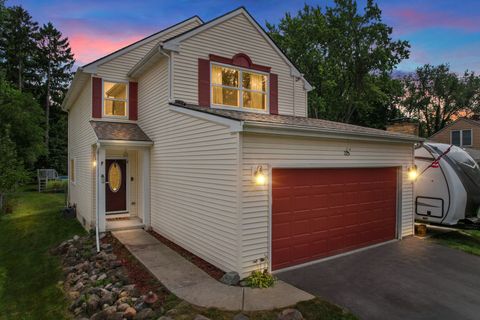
(408, 279)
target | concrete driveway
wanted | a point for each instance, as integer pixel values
(408, 279)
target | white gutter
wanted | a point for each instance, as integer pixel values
(125, 143)
(285, 129)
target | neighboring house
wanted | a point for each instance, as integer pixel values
(200, 132)
(464, 133)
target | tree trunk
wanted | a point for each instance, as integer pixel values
(47, 115)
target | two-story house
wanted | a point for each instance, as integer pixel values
(464, 133)
(200, 132)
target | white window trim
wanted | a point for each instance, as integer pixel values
(74, 181)
(240, 89)
(104, 115)
(461, 137)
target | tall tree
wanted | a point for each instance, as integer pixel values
(54, 62)
(18, 36)
(343, 52)
(22, 116)
(12, 171)
(436, 96)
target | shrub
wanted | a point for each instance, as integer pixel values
(261, 279)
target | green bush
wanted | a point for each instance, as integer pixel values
(57, 185)
(261, 279)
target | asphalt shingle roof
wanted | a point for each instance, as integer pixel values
(118, 131)
(307, 123)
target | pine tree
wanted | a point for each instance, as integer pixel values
(54, 67)
(18, 34)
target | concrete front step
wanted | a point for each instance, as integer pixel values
(193, 285)
(123, 225)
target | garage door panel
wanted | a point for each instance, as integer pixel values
(321, 212)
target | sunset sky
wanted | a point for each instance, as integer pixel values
(438, 30)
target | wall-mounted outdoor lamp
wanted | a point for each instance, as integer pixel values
(412, 172)
(94, 163)
(259, 177)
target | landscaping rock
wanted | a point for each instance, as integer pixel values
(165, 318)
(290, 314)
(93, 304)
(122, 307)
(130, 313)
(240, 316)
(231, 278)
(145, 314)
(200, 317)
(73, 295)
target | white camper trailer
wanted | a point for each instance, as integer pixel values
(447, 189)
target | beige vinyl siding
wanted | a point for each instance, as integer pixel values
(80, 140)
(236, 35)
(118, 68)
(300, 98)
(275, 151)
(193, 175)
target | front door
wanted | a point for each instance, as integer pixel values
(116, 186)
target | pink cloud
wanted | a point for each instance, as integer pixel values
(88, 48)
(409, 19)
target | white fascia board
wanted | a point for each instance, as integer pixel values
(92, 67)
(234, 125)
(282, 129)
(125, 143)
(74, 88)
(174, 44)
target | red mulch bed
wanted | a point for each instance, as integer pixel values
(210, 269)
(137, 274)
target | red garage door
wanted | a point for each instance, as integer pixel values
(323, 212)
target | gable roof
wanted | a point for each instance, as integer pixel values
(83, 73)
(471, 121)
(139, 43)
(173, 42)
(301, 123)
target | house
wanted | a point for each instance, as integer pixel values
(200, 132)
(463, 132)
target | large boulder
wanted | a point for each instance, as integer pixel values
(290, 314)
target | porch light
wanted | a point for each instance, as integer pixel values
(259, 177)
(94, 163)
(412, 173)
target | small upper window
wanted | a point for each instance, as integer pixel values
(115, 99)
(461, 138)
(235, 87)
(456, 138)
(466, 137)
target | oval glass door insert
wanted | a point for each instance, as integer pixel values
(114, 177)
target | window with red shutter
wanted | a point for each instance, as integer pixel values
(133, 101)
(96, 97)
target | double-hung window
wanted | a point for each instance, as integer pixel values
(115, 99)
(239, 88)
(461, 138)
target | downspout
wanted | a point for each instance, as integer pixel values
(170, 67)
(97, 173)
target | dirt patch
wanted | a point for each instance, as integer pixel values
(207, 267)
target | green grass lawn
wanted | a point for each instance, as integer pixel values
(465, 240)
(28, 273)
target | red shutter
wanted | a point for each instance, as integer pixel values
(133, 101)
(273, 93)
(96, 97)
(203, 83)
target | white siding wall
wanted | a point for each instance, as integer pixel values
(193, 175)
(227, 39)
(80, 140)
(118, 68)
(308, 152)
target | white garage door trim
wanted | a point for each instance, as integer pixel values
(398, 227)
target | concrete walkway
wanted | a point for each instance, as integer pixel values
(193, 285)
